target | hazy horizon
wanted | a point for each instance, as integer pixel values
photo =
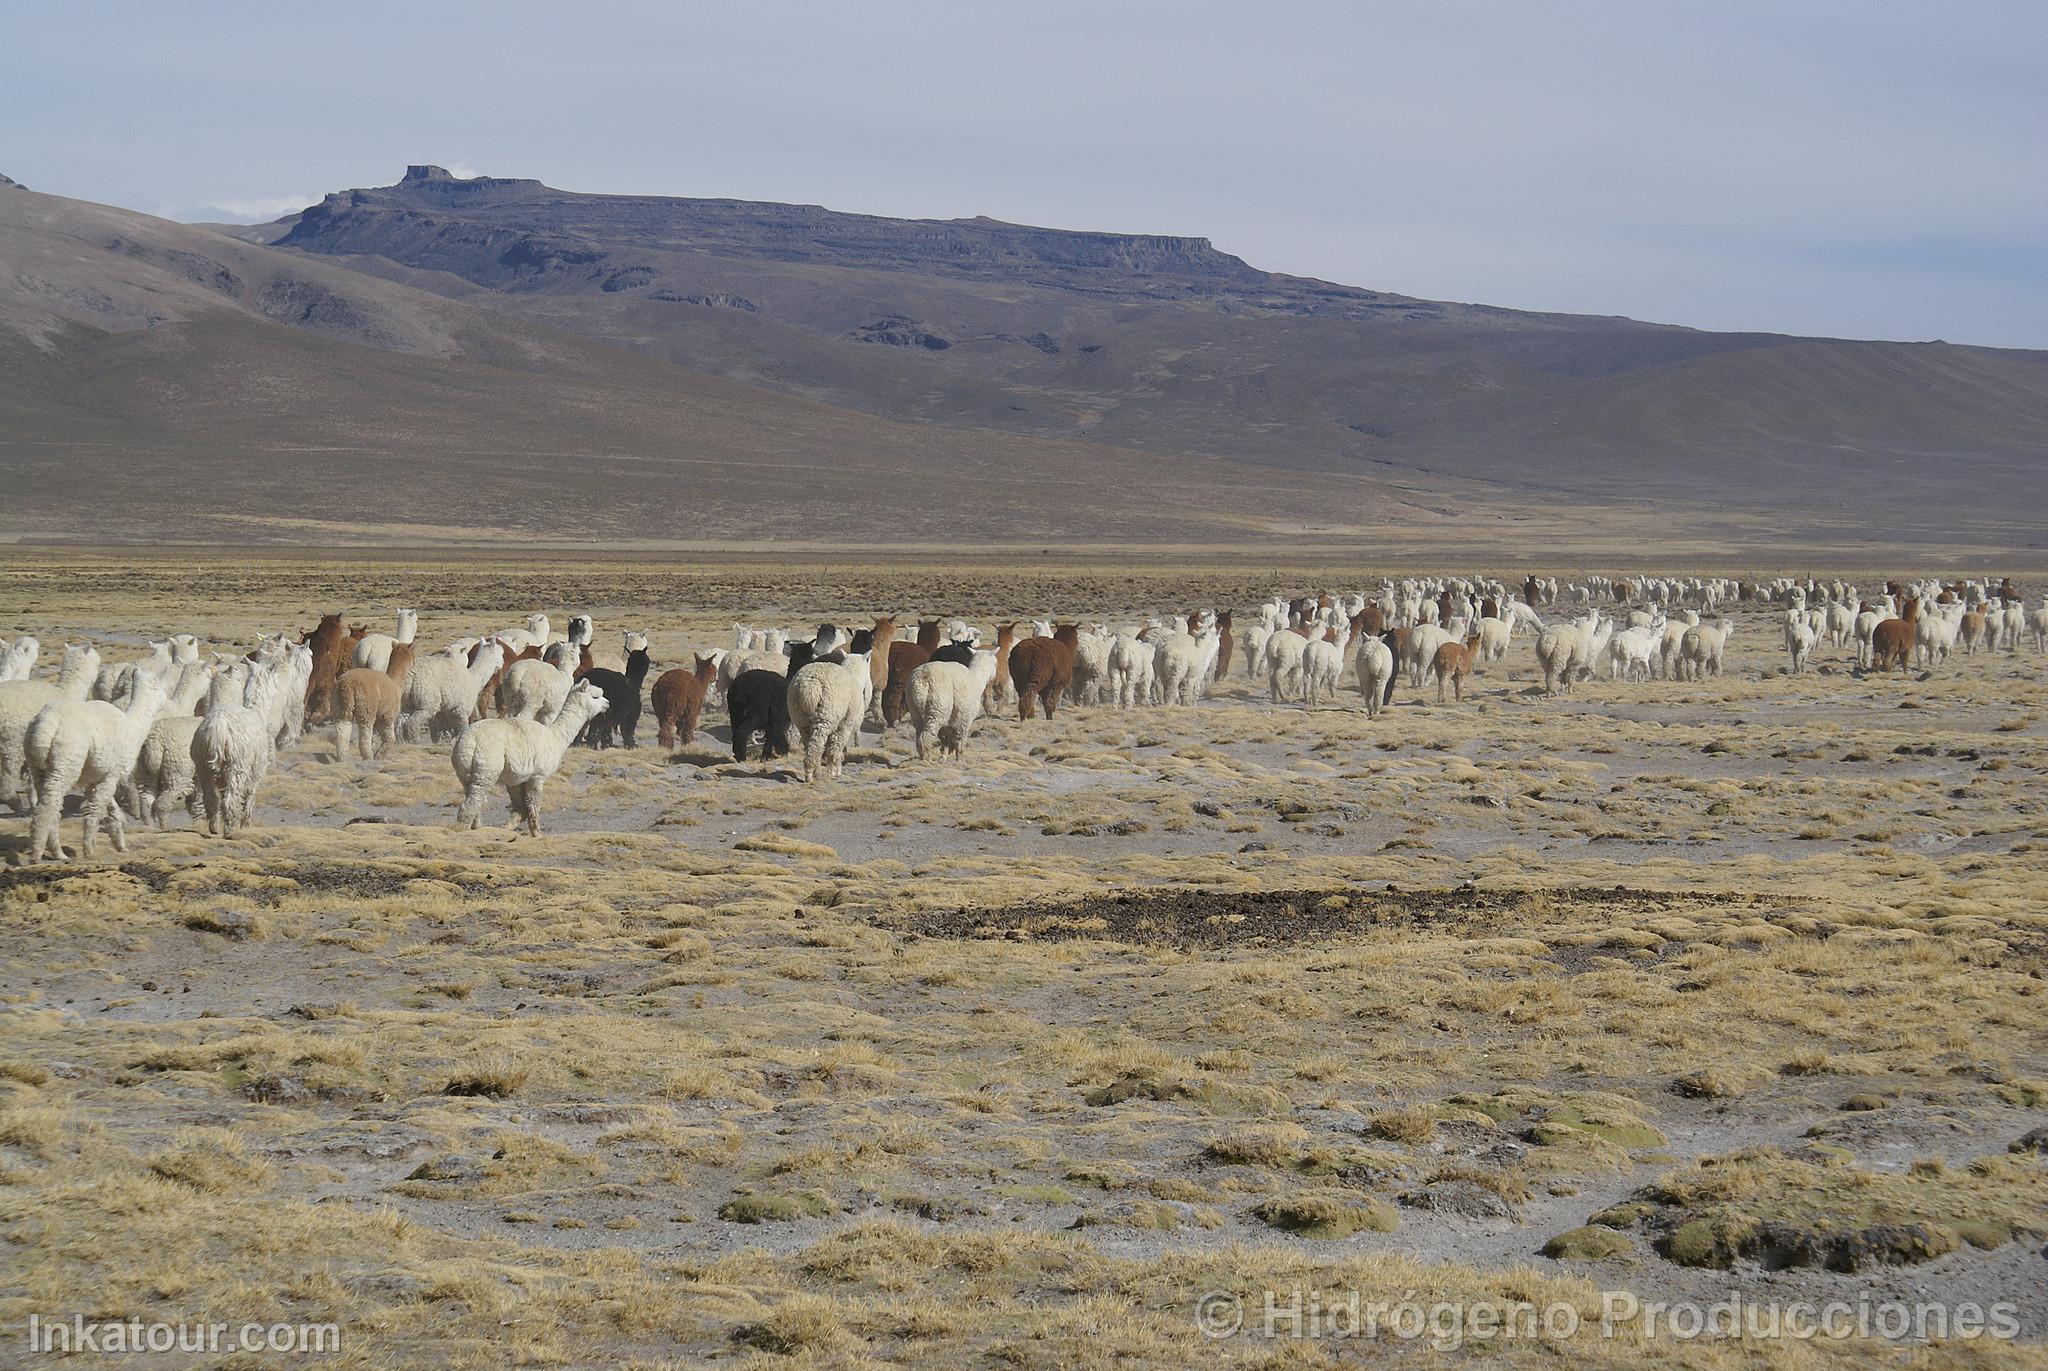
(1849, 171)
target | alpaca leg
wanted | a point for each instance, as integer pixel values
(471, 813)
(814, 753)
(533, 788)
(49, 809)
(116, 822)
(516, 793)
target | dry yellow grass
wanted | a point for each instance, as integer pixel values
(721, 1064)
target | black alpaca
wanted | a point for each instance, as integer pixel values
(621, 701)
(963, 653)
(758, 702)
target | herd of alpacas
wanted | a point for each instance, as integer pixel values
(184, 727)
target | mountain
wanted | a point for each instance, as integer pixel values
(500, 355)
(161, 382)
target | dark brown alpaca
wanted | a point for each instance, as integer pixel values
(904, 658)
(328, 663)
(679, 700)
(1224, 643)
(928, 634)
(1454, 663)
(1042, 669)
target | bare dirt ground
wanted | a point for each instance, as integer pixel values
(1730, 986)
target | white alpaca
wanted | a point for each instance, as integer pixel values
(21, 701)
(1700, 650)
(1181, 664)
(1494, 636)
(1564, 652)
(441, 692)
(534, 687)
(1374, 667)
(1092, 646)
(1284, 652)
(1128, 680)
(1800, 638)
(374, 651)
(1423, 641)
(89, 745)
(1322, 666)
(825, 707)
(235, 744)
(520, 755)
(18, 662)
(164, 774)
(519, 639)
(287, 707)
(944, 700)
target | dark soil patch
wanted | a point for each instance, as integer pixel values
(1235, 918)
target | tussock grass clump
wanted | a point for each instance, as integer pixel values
(212, 1161)
(494, 1080)
(1411, 1127)
(753, 1206)
(1326, 1214)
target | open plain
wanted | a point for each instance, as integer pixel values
(1672, 988)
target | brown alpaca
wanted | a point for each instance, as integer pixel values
(328, 663)
(904, 658)
(1972, 629)
(1891, 643)
(1223, 643)
(1489, 608)
(1454, 662)
(879, 638)
(1372, 619)
(928, 634)
(368, 701)
(999, 684)
(1042, 669)
(679, 699)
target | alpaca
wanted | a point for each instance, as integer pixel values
(18, 662)
(1286, 651)
(1042, 669)
(1090, 672)
(998, 692)
(621, 714)
(235, 744)
(288, 706)
(441, 692)
(1181, 663)
(519, 754)
(1454, 662)
(1374, 666)
(758, 702)
(1322, 664)
(1129, 678)
(945, 701)
(534, 634)
(325, 641)
(678, 699)
(374, 651)
(534, 687)
(89, 745)
(21, 701)
(825, 706)
(879, 638)
(1562, 650)
(904, 658)
(368, 702)
(1701, 648)
(488, 699)
(164, 774)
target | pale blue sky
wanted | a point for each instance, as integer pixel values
(1871, 169)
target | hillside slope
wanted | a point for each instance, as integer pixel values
(159, 381)
(1171, 345)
